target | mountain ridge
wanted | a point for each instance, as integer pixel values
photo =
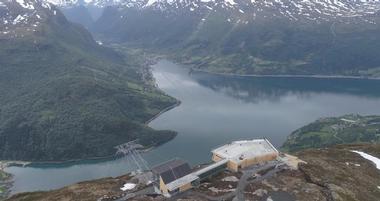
(245, 38)
(293, 10)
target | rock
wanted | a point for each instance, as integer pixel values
(336, 191)
(260, 192)
(230, 179)
(265, 182)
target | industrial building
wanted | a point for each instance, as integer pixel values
(175, 176)
(170, 171)
(242, 154)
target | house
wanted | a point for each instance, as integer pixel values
(241, 154)
(176, 176)
(169, 172)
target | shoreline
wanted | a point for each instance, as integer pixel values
(149, 63)
(6, 181)
(92, 159)
(155, 57)
(63, 162)
(176, 104)
(288, 75)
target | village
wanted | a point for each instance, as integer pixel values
(234, 166)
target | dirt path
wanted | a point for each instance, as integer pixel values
(238, 194)
(248, 173)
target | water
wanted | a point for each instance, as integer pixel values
(216, 110)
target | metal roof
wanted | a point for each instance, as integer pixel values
(211, 167)
(193, 176)
(172, 170)
(181, 181)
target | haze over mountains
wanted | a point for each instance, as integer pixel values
(328, 37)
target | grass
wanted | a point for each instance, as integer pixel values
(83, 191)
(328, 168)
(332, 131)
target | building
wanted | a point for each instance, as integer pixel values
(241, 154)
(194, 179)
(176, 175)
(170, 171)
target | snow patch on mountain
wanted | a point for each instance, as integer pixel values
(19, 19)
(63, 2)
(291, 9)
(311, 10)
(25, 4)
(373, 159)
(22, 17)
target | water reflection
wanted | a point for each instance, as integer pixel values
(255, 89)
(217, 109)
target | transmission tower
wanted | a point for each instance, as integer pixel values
(130, 151)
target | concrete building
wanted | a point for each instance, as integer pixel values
(241, 154)
(176, 176)
(194, 179)
(170, 171)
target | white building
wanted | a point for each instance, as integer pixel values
(241, 154)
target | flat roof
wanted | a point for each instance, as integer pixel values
(245, 149)
(231, 151)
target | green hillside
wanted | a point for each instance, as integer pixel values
(64, 97)
(326, 132)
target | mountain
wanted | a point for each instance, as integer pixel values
(79, 11)
(325, 37)
(63, 96)
(79, 14)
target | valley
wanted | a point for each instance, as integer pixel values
(252, 38)
(79, 78)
